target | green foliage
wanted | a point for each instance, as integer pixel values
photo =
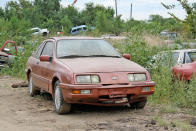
(50, 14)
(67, 24)
(190, 20)
(138, 49)
(103, 22)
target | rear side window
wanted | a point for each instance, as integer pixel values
(48, 49)
(191, 56)
(39, 51)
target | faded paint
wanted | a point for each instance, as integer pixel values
(43, 74)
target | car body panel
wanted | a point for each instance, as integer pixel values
(44, 74)
(98, 64)
(38, 31)
(78, 29)
(184, 71)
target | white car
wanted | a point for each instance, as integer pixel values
(175, 57)
(38, 31)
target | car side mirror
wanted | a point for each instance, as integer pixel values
(45, 58)
(127, 56)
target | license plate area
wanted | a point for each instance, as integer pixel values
(117, 93)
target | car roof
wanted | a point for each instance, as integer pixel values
(183, 50)
(76, 27)
(75, 38)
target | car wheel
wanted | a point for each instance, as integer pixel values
(32, 90)
(138, 105)
(60, 105)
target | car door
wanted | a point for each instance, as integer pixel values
(47, 68)
(36, 72)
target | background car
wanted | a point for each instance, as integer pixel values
(84, 70)
(38, 31)
(8, 52)
(187, 70)
(78, 29)
(172, 58)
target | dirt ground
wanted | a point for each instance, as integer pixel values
(20, 112)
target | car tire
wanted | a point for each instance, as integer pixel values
(32, 90)
(61, 107)
(138, 105)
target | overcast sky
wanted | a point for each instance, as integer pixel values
(142, 9)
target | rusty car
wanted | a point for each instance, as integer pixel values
(85, 70)
(8, 52)
(187, 70)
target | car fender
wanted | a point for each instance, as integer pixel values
(183, 72)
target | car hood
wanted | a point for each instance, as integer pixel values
(3, 54)
(98, 64)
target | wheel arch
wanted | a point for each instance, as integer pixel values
(27, 73)
(55, 78)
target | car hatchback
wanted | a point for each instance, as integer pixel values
(84, 70)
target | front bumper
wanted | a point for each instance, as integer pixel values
(107, 95)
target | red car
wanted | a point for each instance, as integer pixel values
(188, 69)
(8, 52)
(83, 70)
(185, 71)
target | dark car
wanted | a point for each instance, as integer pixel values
(83, 70)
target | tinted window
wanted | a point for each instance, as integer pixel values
(48, 49)
(74, 30)
(84, 28)
(39, 50)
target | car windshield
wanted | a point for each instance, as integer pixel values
(85, 48)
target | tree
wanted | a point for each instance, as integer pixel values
(67, 24)
(103, 22)
(1, 12)
(190, 20)
(156, 18)
(90, 11)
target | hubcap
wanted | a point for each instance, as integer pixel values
(30, 85)
(57, 98)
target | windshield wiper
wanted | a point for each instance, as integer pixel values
(104, 56)
(71, 56)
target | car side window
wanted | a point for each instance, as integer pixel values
(187, 58)
(48, 49)
(39, 51)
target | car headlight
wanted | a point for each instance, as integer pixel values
(136, 77)
(87, 79)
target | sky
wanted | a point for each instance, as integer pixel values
(142, 9)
